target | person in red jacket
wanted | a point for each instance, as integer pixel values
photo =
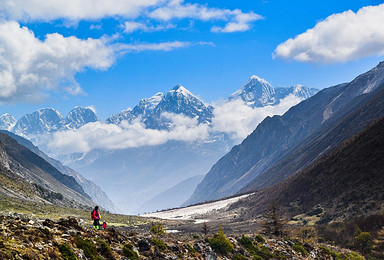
(105, 225)
(95, 216)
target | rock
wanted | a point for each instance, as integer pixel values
(48, 223)
(198, 247)
(210, 255)
(173, 247)
(143, 245)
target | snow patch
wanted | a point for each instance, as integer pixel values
(194, 212)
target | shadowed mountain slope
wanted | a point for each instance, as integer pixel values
(345, 183)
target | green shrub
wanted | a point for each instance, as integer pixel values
(220, 243)
(104, 249)
(157, 229)
(363, 242)
(88, 247)
(191, 249)
(240, 257)
(259, 238)
(325, 250)
(245, 241)
(67, 252)
(300, 249)
(129, 252)
(160, 244)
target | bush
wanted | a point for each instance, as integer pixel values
(129, 252)
(157, 229)
(240, 257)
(160, 244)
(88, 247)
(104, 249)
(67, 252)
(259, 238)
(363, 242)
(220, 243)
(325, 250)
(300, 249)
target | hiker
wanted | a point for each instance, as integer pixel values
(95, 216)
(105, 225)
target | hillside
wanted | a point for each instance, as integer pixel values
(27, 176)
(95, 192)
(343, 184)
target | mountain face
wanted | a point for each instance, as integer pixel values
(45, 120)
(343, 184)
(27, 176)
(257, 92)
(49, 120)
(276, 137)
(92, 190)
(7, 121)
(178, 101)
(80, 116)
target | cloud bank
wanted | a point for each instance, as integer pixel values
(234, 118)
(157, 10)
(339, 38)
(29, 67)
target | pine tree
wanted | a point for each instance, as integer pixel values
(273, 220)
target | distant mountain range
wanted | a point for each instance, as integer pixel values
(136, 175)
(283, 145)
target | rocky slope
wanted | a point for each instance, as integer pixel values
(276, 137)
(25, 237)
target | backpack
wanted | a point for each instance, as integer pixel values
(92, 215)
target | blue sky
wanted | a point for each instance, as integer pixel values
(110, 54)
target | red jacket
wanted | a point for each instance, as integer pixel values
(95, 215)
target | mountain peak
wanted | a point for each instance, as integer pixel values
(256, 78)
(180, 89)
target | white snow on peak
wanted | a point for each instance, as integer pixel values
(154, 100)
(42, 110)
(254, 77)
(180, 89)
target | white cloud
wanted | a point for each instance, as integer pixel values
(177, 9)
(339, 38)
(239, 120)
(126, 135)
(164, 46)
(74, 10)
(164, 10)
(240, 23)
(30, 67)
(131, 26)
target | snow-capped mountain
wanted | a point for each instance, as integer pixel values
(42, 121)
(7, 121)
(48, 120)
(257, 92)
(80, 116)
(178, 100)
